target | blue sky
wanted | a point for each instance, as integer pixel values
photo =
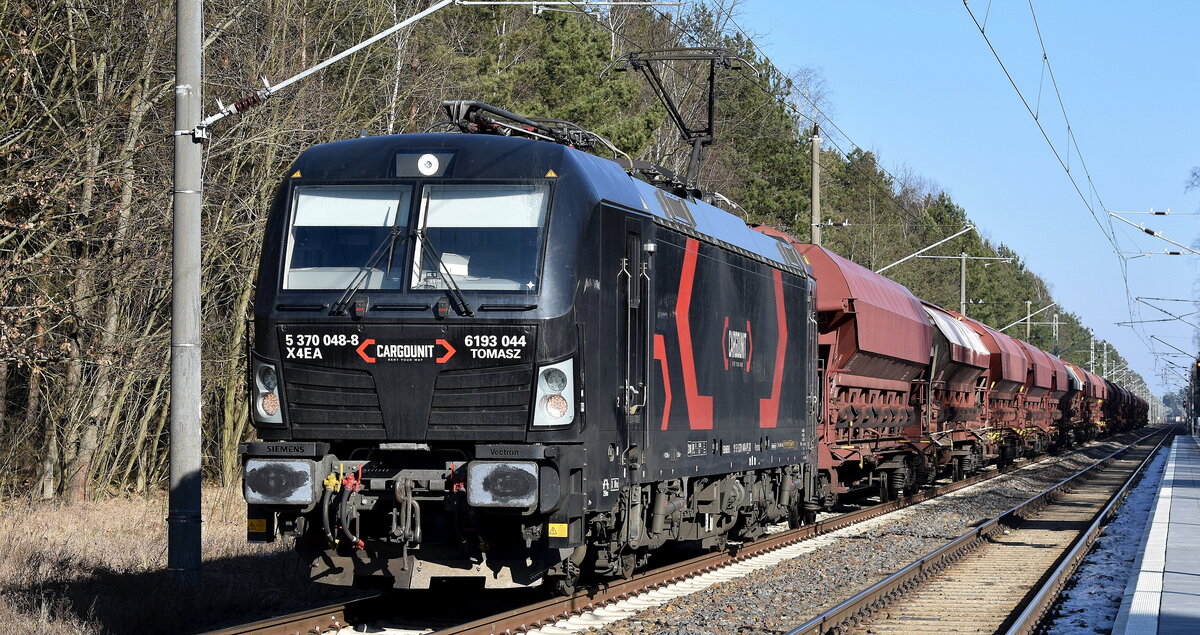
(916, 83)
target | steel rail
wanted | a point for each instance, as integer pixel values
(317, 620)
(867, 603)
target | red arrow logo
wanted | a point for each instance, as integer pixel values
(449, 351)
(362, 351)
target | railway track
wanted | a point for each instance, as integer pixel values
(545, 613)
(318, 620)
(1005, 574)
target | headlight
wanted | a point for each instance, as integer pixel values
(556, 380)
(554, 397)
(269, 404)
(556, 406)
(267, 377)
(266, 393)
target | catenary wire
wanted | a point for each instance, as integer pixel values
(888, 195)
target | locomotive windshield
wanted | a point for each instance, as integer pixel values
(334, 230)
(488, 237)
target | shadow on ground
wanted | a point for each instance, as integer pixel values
(109, 601)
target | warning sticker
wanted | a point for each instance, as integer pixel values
(556, 530)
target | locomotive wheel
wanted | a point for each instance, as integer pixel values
(564, 587)
(802, 514)
(628, 564)
(808, 515)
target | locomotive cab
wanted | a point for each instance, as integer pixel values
(460, 368)
(414, 339)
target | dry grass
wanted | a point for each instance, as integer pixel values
(98, 568)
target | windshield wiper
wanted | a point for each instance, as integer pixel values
(356, 283)
(444, 271)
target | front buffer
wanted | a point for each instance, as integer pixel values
(406, 514)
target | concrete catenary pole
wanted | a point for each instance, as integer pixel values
(962, 285)
(816, 186)
(1189, 398)
(1056, 347)
(183, 517)
(1028, 318)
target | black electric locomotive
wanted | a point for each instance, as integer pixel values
(483, 356)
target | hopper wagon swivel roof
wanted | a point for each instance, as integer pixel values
(1075, 377)
(965, 356)
(1096, 388)
(1041, 374)
(1008, 364)
(966, 346)
(873, 317)
(1062, 379)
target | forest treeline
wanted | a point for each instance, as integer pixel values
(86, 121)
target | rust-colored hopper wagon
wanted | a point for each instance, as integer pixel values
(874, 344)
(1060, 386)
(1141, 412)
(1004, 380)
(1069, 407)
(1122, 409)
(1095, 392)
(954, 420)
(1113, 407)
(1038, 402)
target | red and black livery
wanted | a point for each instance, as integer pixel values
(479, 356)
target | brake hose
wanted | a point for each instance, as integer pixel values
(325, 498)
(344, 517)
